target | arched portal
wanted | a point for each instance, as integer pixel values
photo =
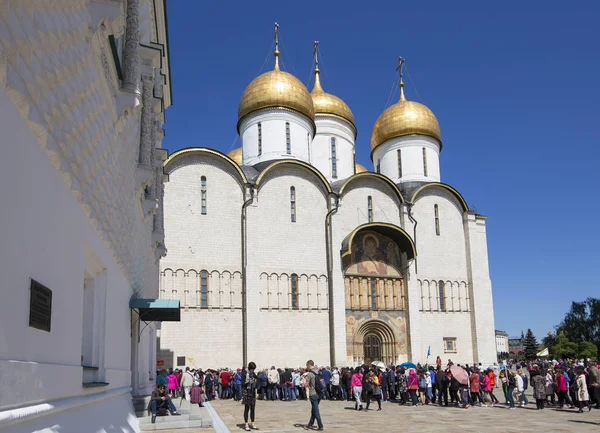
(375, 340)
(372, 348)
(376, 257)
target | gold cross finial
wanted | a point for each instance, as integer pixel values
(276, 46)
(401, 71)
(317, 87)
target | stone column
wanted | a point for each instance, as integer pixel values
(147, 131)
(131, 59)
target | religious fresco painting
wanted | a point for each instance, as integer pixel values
(374, 254)
(375, 300)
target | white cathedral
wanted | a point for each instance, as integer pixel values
(285, 249)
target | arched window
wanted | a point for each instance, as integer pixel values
(333, 159)
(259, 139)
(203, 194)
(293, 204)
(424, 162)
(373, 284)
(437, 219)
(288, 139)
(204, 289)
(379, 166)
(399, 152)
(294, 291)
(370, 209)
(442, 295)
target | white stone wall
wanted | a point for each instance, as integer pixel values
(194, 240)
(442, 257)
(482, 304)
(75, 212)
(277, 245)
(321, 151)
(273, 133)
(199, 242)
(411, 147)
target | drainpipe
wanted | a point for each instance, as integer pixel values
(328, 244)
(244, 285)
(414, 221)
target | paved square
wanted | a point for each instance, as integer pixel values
(341, 417)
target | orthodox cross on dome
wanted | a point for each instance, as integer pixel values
(276, 31)
(401, 72)
(317, 87)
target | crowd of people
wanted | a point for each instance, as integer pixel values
(558, 384)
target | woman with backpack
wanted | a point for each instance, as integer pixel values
(249, 384)
(539, 389)
(413, 386)
(374, 390)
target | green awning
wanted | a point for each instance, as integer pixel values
(158, 310)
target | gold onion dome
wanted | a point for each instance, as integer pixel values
(236, 155)
(359, 168)
(328, 104)
(276, 88)
(404, 118)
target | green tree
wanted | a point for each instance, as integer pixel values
(587, 350)
(531, 345)
(563, 347)
(582, 322)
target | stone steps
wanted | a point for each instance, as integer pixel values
(191, 416)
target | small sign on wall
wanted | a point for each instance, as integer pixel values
(160, 363)
(40, 306)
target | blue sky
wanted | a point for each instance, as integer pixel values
(515, 87)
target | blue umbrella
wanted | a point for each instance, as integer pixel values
(408, 365)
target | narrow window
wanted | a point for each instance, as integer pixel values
(333, 159)
(442, 294)
(399, 151)
(373, 294)
(424, 162)
(288, 141)
(259, 139)
(293, 203)
(308, 144)
(294, 291)
(379, 166)
(370, 209)
(203, 194)
(437, 219)
(204, 289)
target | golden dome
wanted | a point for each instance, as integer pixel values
(404, 118)
(326, 103)
(359, 168)
(236, 155)
(276, 88)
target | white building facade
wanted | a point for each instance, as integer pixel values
(84, 86)
(283, 251)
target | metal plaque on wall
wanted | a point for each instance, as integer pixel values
(40, 306)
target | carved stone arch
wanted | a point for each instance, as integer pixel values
(315, 174)
(439, 185)
(384, 333)
(179, 159)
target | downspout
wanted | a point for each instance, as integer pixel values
(329, 253)
(408, 329)
(244, 285)
(414, 221)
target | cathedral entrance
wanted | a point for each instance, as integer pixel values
(375, 262)
(371, 348)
